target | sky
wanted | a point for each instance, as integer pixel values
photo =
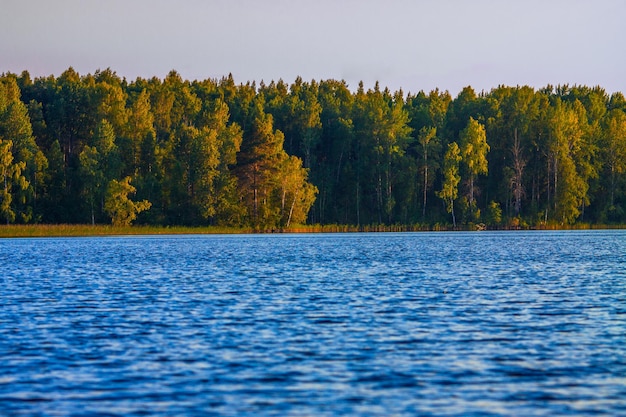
(410, 44)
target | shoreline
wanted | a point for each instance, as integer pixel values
(82, 230)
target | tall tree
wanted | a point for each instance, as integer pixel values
(386, 134)
(296, 194)
(228, 208)
(334, 174)
(614, 152)
(15, 126)
(570, 188)
(257, 166)
(11, 175)
(517, 182)
(428, 140)
(99, 164)
(451, 178)
(474, 149)
(140, 125)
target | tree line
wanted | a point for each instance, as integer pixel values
(98, 149)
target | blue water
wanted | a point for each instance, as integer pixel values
(522, 323)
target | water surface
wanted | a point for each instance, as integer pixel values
(524, 323)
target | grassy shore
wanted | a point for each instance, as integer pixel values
(68, 230)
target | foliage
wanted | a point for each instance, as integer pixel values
(272, 156)
(451, 178)
(117, 204)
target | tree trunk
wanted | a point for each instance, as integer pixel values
(452, 211)
(556, 180)
(293, 203)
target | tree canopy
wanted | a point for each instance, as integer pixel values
(268, 156)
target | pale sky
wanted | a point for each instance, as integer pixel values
(410, 44)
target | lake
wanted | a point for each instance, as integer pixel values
(487, 323)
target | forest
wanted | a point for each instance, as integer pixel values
(98, 149)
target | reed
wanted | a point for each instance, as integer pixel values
(70, 230)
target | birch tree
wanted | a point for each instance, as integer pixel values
(451, 178)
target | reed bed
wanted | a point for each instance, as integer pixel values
(71, 230)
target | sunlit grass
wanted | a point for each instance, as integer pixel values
(60, 230)
(68, 230)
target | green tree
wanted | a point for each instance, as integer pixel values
(570, 187)
(466, 104)
(228, 209)
(122, 210)
(334, 173)
(200, 160)
(93, 177)
(15, 126)
(614, 153)
(474, 149)
(110, 99)
(385, 133)
(257, 167)
(11, 174)
(296, 194)
(427, 138)
(513, 129)
(99, 164)
(451, 178)
(140, 125)
(296, 113)
(53, 199)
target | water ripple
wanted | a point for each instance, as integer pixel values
(528, 324)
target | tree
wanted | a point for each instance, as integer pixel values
(228, 209)
(110, 100)
(334, 173)
(494, 214)
(614, 150)
(519, 163)
(465, 105)
(427, 139)
(99, 164)
(11, 174)
(15, 126)
(451, 178)
(296, 194)
(122, 210)
(93, 177)
(54, 196)
(140, 125)
(570, 167)
(474, 150)
(297, 115)
(200, 161)
(513, 129)
(385, 135)
(257, 166)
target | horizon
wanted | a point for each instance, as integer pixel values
(351, 88)
(409, 45)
